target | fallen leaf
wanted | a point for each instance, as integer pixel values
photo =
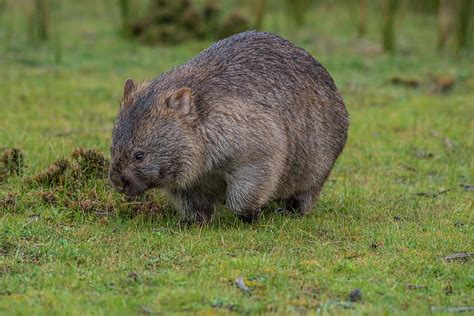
(459, 256)
(398, 218)
(448, 144)
(101, 213)
(424, 154)
(410, 168)
(33, 218)
(444, 83)
(447, 309)
(467, 187)
(241, 285)
(353, 256)
(415, 286)
(448, 290)
(133, 276)
(355, 295)
(432, 194)
(405, 81)
(146, 310)
(376, 245)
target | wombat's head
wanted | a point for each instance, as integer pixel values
(154, 141)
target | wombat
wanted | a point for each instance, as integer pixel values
(251, 119)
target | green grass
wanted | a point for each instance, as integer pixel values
(370, 229)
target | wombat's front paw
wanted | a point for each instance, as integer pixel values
(285, 211)
(198, 219)
(186, 223)
(249, 218)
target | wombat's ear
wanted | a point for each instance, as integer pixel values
(181, 100)
(128, 89)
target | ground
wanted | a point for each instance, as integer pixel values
(397, 203)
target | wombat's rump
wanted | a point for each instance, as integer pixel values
(249, 120)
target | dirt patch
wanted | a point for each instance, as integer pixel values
(176, 21)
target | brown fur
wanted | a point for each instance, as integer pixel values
(249, 120)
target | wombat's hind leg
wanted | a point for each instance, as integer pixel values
(302, 203)
(248, 188)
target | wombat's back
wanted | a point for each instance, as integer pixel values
(252, 65)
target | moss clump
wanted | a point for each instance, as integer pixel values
(91, 162)
(54, 174)
(169, 22)
(86, 163)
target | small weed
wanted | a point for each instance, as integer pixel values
(12, 163)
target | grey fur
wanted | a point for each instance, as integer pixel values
(249, 120)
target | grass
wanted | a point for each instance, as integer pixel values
(380, 225)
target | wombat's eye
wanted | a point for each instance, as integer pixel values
(139, 155)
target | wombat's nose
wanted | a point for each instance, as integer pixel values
(125, 182)
(119, 181)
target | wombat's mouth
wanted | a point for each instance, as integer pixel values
(132, 191)
(129, 186)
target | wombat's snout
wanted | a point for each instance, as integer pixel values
(126, 183)
(119, 181)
